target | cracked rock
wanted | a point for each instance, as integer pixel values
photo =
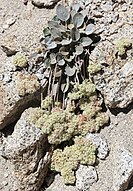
(17, 92)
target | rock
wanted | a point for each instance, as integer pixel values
(8, 51)
(17, 92)
(100, 143)
(26, 148)
(123, 172)
(44, 3)
(9, 22)
(59, 185)
(115, 83)
(85, 177)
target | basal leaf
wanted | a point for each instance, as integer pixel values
(62, 13)
(63, 51)
(70, 71)
(61, 62)
(52, 45)
(76, 6)
(66, 41)
(86, 41)
(79, 50)
(78, 19)
(53, 24)
(53, 58)
(70, 58)
(55, 33)
(90, 29)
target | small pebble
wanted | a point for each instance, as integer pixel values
(10, 21)
(6, 175)
(4, 183)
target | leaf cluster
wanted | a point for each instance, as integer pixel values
(68, 40)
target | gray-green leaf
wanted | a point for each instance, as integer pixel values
(62, 13)
(86, 41)
(79, 50)
(53, 24)
(55, 32)
(69, 59)
(50, 43)
(90, 29)
(76, 6)
(61, 62)
(78, 19)
(70, 71)
(66, 41)
(63, 51)
(53, 58)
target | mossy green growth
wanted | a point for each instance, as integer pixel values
(67, 161)
(20, 60)
(35, 115)
(94, 68)
(46, 103)
(26, 84)
(86, 89)
(122, 45)
(60, 125)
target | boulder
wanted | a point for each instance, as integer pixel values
(26, 148)
(115, 80)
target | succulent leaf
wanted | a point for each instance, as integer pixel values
(76, 6)
(61, 62)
